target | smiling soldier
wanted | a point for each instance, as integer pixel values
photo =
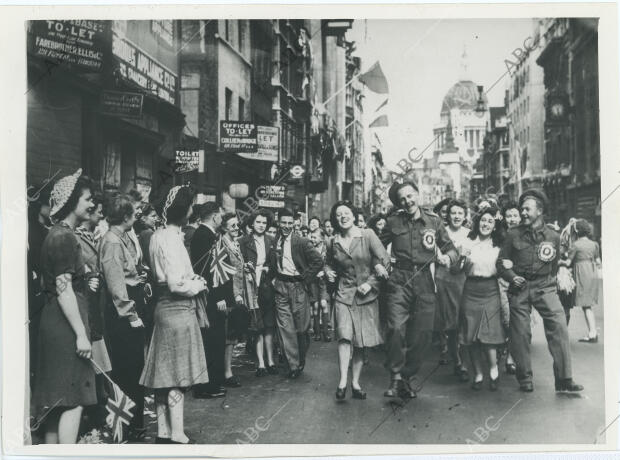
(415, 234)
(528, 260)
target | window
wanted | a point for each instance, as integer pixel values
(228, 114)
(241, 109)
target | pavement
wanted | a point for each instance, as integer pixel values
(273, 409)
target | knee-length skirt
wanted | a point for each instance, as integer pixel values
(176, 357)
(359, 324)
(587, 285)
(480, 317)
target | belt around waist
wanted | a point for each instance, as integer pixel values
(481, 278)
(162, 290)
(289, 278)
(533, 276)
(410, 266)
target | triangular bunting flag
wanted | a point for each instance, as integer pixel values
(374, 79)
(380, 121)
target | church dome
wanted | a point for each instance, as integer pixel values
(463, 95)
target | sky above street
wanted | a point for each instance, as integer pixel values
(422, 60)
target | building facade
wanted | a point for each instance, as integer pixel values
(108, 104)
(569, 58)
(525, 109)
(459, 135)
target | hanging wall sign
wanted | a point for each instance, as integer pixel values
(267, 144)
(80, 43)
(188, 160)
(238, 137)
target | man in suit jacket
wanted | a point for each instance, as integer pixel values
(258, 251)
(214, 338)
(295, 266)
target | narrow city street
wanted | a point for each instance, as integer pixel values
(274, 409)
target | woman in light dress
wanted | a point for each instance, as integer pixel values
(480, 325)
(175, 360)
(584, 256)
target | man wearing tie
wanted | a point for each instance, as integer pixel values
(295, 266)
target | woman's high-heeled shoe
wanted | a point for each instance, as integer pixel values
(159, 440)
(477, 386)
(341, 393)
(357, 394)
(493, 384)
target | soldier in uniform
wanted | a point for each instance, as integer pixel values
(528, 260)
(415, 233)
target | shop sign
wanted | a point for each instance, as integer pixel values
(189, 160)
(121, 104)
(271, 192)
(238, 136)
(77, 42)
(137, 66)
(270, 203)
(268, 144)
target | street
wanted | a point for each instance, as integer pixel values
(274, 409)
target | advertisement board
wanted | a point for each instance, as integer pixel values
(237, 137)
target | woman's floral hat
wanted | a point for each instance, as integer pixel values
(62, 191)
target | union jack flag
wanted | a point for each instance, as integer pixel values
(118, 412)
(219, 265)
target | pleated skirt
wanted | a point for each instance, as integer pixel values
(176, 357)
(480, 316)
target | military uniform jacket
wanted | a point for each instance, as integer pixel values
(416, 240)
(533, 252)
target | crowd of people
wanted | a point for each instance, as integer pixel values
(155, 297)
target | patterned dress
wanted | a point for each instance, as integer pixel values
(62, 379)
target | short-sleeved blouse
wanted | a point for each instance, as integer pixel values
(62, 253)
(483, 257)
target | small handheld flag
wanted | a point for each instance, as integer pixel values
(219, 265)
(118, 412)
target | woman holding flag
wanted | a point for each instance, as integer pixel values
(227, 267)
(176, 358)
(64, 379)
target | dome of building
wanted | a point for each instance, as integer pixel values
(463, 95)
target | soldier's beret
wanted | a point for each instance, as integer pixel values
(393, 192)
(538, 195)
